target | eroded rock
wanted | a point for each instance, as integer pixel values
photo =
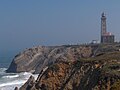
(36, 58)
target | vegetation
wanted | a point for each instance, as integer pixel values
(54, 67)
(116, 86)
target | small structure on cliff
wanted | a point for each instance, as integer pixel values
(106, 37)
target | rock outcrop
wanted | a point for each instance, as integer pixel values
(36, 58)
(29, 84)
(94, 73)
(70, 67)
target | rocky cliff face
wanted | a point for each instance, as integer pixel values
(95, 73)
(36, 58)
(75, 67)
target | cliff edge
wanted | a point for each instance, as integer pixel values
(70, 67)
(36, 58)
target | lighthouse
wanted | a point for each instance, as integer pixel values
(106, 37)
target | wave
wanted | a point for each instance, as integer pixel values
(25, 73)
(2, 70)
(16, 75)
(11, 76)
(16, 82)
(8, 81)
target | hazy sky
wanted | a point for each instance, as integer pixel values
(27, 23)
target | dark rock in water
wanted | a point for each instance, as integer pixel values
(36, 58)
(16, 88)
(12, 68)
(29, 84)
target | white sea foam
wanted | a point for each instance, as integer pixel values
(8, 81)
(9, 87)
(11, 76)
(26, 73)
(16, 82)
(3, 69)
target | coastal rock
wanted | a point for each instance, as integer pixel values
(29, 84)
(16, 88)
(36, 58)
(98, 73)
(70, 67)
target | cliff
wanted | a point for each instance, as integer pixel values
(94, 73)
(70, 67)
(36, 58)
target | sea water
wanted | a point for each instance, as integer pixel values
(8, 81)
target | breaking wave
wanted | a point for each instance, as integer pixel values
(8, 81)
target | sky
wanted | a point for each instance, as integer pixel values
(28, 23)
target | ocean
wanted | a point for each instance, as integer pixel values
(8, 81)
